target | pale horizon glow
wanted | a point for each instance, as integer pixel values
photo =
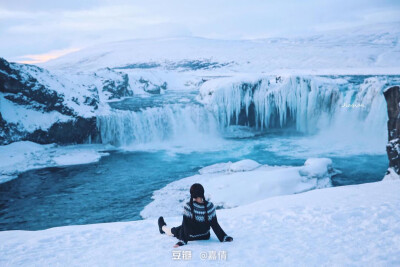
(41, 58)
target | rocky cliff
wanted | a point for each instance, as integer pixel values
(45, 107)
(392, 96)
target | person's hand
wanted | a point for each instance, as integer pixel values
(228, 239)
(179, 244)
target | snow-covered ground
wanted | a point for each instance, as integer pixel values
(234, 184)
(346, 226)
(24, 155)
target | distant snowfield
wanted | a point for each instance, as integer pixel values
(372, 49)
(352, 225)
(21, 156)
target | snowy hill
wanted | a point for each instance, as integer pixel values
(351, 225)
(364, 50)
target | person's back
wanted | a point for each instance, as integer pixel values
(198, 216)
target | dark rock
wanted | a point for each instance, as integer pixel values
(152, 88)
(9, 132)
(392, 96)
(149, 65)
(77, 131)
(183, 65)
(117, 88)
(18, 85)
(24, 88)
(196, 65)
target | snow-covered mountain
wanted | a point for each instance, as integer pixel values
(364, 50)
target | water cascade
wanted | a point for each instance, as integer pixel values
(348, 107)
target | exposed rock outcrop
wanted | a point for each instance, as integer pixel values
(44, 107)
(114, 84)
(392, 96)
(150, 87)
(23, 88)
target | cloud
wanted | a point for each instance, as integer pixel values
(36, 27)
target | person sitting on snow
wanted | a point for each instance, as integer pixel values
(198, 216)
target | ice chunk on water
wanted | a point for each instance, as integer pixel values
(244, 165)
(391, 175)
(215, 168)
(229, 184)
(239, 166)
(316, 167)
(78, 157)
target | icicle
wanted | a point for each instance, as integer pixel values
(305, 101)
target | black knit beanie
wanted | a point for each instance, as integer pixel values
(197, 190)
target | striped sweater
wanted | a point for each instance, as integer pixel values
(198, 228)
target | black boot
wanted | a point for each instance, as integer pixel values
(161, 223)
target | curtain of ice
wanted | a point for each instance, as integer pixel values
(313, 103)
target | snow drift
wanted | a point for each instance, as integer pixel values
(234, 184)
(349, 225)
(24, 155)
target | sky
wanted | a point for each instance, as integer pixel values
(36, 31)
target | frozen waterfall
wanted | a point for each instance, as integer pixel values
(308, 104)
(157, 124)
(342, 108)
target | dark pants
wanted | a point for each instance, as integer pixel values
(175, 230)
(178, 233)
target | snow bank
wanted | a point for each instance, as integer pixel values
(391, 175)
(78, 157)
(22, 156)
(230, 185)
(239, 166)
(340, 226)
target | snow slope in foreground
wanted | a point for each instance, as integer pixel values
(24, 155)
(231, 185)
(351, 225)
